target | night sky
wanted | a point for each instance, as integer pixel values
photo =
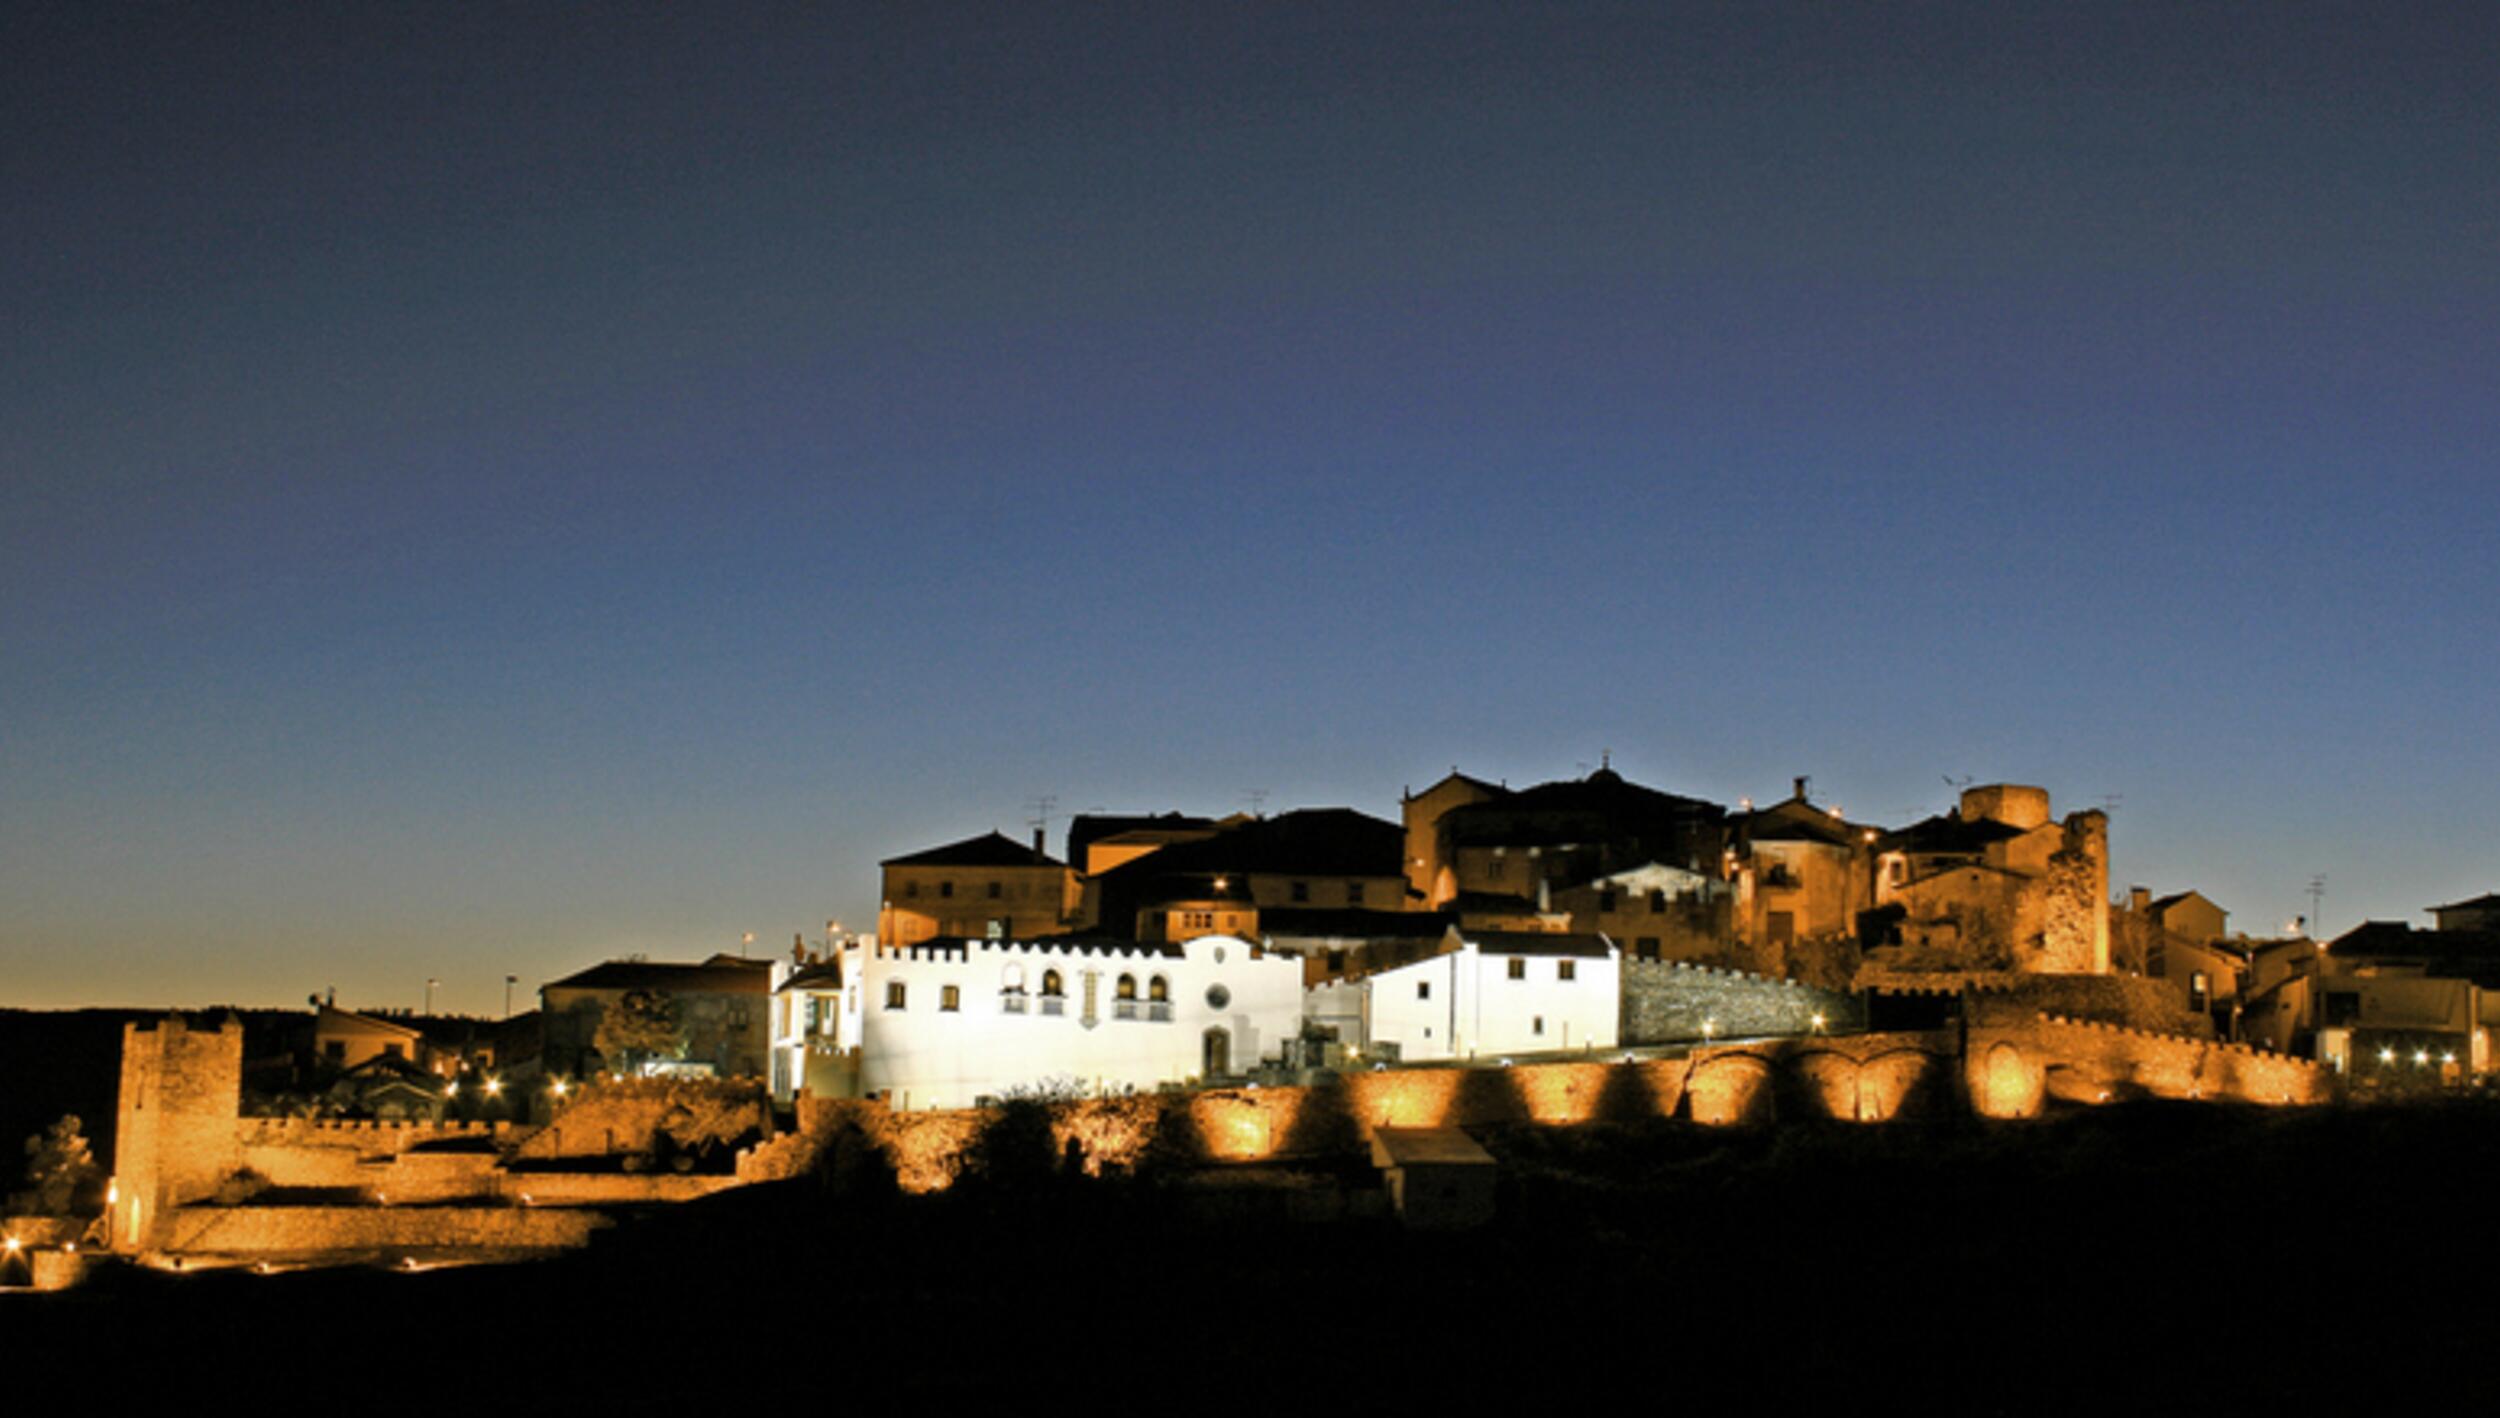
(487, 488)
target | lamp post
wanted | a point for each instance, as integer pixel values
(508, 982)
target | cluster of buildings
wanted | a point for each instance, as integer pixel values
(1487, 922)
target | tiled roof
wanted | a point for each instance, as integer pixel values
(1349, 923)
(990, 849)
(823, 975)
(1949, 833)
(1326, 841)
(720, 977)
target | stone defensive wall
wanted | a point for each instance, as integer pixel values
(2011, 997)
(392, 1158)
(1667, 1001)
(2017, 1068)
(298, 1232)
(621, 1117)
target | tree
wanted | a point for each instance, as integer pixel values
(58, 1164)
(640, 1026)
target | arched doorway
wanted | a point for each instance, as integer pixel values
(1216, 1054)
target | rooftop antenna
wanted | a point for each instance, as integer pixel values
(1258, 801)
(2109, 802)
(1041, 808)
(2317, 893)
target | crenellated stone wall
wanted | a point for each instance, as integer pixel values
(1674, 1002)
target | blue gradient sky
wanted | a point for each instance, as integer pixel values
(487, 488)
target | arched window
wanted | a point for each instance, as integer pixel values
(1159, 990)
(1050, 984)
(1127, 987)
(1013, 980)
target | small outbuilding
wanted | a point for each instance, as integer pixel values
(1439, 1178)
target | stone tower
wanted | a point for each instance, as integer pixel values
(174, 1137)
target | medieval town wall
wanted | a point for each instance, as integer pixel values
(313, 1231)
(625, 1117)
(174, 1136)
(1669, 1002)
(2015, 1068)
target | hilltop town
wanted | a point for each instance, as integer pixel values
(1316, 988)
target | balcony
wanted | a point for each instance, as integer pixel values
(1011, 1002)
(1054, 1004)
(1159, 1010)
(1124, 1009)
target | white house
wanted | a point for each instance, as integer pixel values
(946, 1023)
(1471, 994)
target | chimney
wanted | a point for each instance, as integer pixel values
(2138, 898)
(1801, 789)
(1037, 842)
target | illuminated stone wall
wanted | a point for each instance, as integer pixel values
(175, 1124)
(1670, 1002)
(2014, 1069)
(2020, 1068)
(318, 1232)
(625, 1116)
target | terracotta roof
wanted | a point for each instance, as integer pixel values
(823, 975)
(990, 849)
(719, 977)
(1349, 923)
(1949, 832)
(1324, 841)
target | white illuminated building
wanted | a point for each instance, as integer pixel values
(1473, 994)
(947, 1023)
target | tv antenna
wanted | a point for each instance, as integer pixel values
(2317, 893)
(1041, 808)
(1257, 798)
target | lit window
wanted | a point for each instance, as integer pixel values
(950, 999)
(1567, 970)
(1127, 988)
(1050, 983)
(1158, 989)
(894, 994)
(1518, 968)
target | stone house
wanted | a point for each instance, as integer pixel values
(1997, 884)
(990, 886)
(722, 1008)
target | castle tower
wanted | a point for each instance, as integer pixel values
(174, 1135)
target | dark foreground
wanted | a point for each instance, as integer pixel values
(2184, 1256)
